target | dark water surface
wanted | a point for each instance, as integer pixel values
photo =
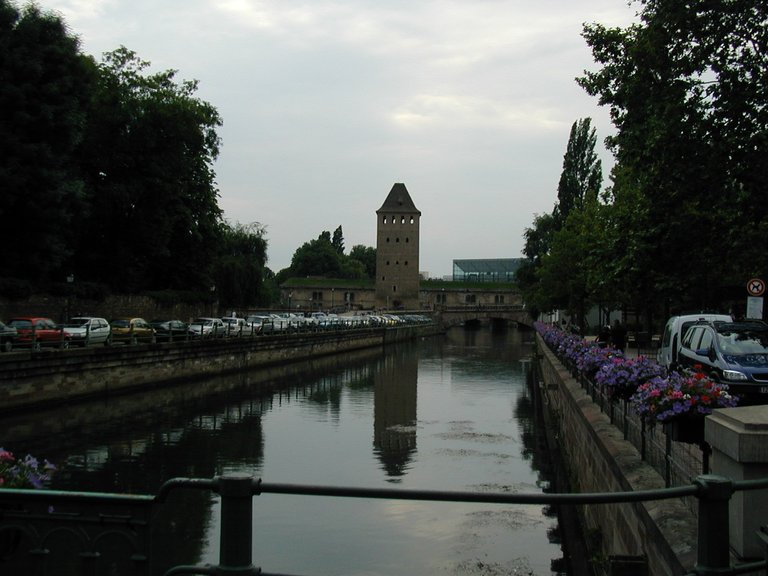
(448, 413)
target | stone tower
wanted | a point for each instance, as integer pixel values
(397, 251)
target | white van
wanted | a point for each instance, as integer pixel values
(674, 332)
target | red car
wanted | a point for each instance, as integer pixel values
(38, 332)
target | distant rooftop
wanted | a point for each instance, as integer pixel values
(399, 201)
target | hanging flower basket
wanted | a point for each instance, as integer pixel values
(675, 398)
(622, 376)
(687, 430)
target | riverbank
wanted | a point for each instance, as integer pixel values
(660, 535)
(33, 379)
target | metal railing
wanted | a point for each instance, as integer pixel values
(676, 462)
(102, 533)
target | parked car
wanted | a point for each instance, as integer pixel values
(734, 353)
(169, 330)
(675, 330)
(132, 330)
(261, 323)
(237, 326)
(85, 330)
(8, 337)
(36, 332)
(207, 328)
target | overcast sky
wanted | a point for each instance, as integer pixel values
(326, 104)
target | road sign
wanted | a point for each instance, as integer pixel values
(756, 287)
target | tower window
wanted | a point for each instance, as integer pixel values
(406, 240)
(394, 289)
(402, 219)
(397, 240)
(411, 219)
(385, 219)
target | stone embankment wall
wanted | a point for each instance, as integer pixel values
(598, 459)
(29, 379)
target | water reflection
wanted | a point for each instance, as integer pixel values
(394, 413)
(443, 413)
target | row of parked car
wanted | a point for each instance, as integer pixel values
(37, 332)
(728, 351)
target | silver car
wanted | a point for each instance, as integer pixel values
(85, 330)
(207, 328)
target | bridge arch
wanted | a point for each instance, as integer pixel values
(459, 315)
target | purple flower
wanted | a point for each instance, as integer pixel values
(25, 473)
(664, 398)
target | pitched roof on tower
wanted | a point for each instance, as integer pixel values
(399, 201)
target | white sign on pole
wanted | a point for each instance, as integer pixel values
(754, 308)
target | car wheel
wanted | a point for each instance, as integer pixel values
(108, 341)
(7, 346)
(134, 341)
(64, 345)
(36, 346)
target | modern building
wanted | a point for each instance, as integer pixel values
(397, 251)
(486, 270)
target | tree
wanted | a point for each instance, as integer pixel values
(564, 272)
(338, 240)
(325, 257)
(316, 258)
(44, 92)
(147, 159)
(538, 241)
(366, 255)
(240, 267)
(687, 89)
(556, 272)
(582, 174)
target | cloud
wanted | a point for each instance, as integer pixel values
(327, 103)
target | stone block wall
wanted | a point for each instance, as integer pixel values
(29, 379)
(600, 460)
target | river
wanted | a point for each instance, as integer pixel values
(449, 413)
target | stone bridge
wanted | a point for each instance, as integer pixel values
(458, 315)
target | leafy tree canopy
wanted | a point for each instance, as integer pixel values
(687, 89)
(324, 257)
(45, 87)
(147, 158)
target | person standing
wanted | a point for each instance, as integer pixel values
(618, 336)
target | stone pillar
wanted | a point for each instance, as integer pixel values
(739, 441)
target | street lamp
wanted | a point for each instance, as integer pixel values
(71, 283)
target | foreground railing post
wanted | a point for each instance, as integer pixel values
(713, 556)
(236, 523)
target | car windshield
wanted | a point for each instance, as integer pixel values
(79, 321)
(20, 324)
(203, 321)
(748, 342)
(120, 323)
